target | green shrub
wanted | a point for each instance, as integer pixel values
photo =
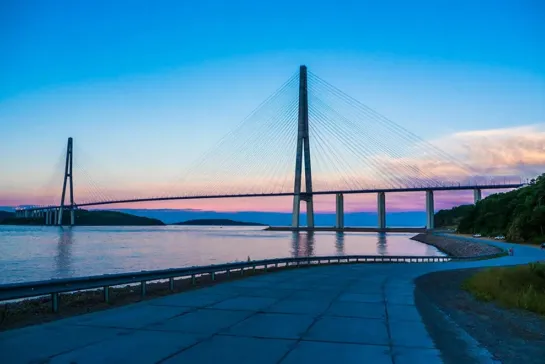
(512, 287)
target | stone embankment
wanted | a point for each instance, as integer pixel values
(458, 248)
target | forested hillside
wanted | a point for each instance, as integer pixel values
(519, 215)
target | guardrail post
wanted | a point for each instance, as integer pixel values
(171, 284)
(55, 302)
(143, 289)
(106, 294)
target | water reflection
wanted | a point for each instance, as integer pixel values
(339, 243)
(302, 244)
(382, 246)
(63, 259)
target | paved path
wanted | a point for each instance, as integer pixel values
(345, 314)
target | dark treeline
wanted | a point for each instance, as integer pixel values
(89, 218)
(519, 215)
(6, 215)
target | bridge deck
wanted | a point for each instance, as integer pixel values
(316, 193)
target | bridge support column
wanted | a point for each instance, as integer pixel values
(381, 210)
(296, 212)
(339, 210)
(477, 195)
(429, 210)
(310, 211)
(72, 216)
(55, 216)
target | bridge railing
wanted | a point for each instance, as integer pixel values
(55, 287)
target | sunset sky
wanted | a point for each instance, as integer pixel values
(145, 90)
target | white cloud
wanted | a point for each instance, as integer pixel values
(507, 151)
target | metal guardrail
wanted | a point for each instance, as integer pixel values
(55, 287)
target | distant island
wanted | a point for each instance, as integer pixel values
(519, 215)
(218, 222)
(89, 218)
(4, 215)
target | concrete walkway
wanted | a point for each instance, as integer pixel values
(345, 314)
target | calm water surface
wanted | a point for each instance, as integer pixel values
(31, 253)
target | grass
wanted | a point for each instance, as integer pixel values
(520, 287)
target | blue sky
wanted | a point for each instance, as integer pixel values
(146, 88)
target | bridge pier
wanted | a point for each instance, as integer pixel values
(72, 216)
(381, 210)
(339, 211)
(296, 212)
(477, 195)
(429, 210)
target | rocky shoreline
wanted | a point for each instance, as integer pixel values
(458, 248)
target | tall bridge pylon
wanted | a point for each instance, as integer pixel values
(303, 155)
(68, 175)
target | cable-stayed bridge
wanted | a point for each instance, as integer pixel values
(340, 146)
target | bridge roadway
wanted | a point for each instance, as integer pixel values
(342, 313)
(383, 190)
